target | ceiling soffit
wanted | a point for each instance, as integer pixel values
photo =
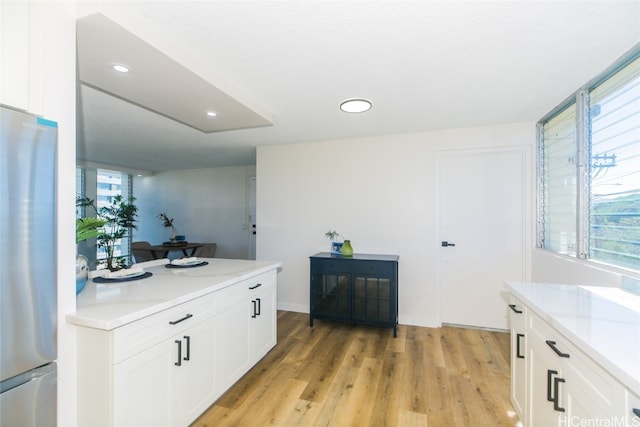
(156, 81)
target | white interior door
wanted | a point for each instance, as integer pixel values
(252, 217)
(483, 212)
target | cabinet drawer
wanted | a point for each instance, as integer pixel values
(351, 266)
(374, 268)
(232, 295)
(329, 266)
(517, 313)
(135, 337)
(542, 331)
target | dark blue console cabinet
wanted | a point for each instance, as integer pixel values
(361, 289)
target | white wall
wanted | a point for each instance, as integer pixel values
(378, 192)
(59, 104)
(207, 205)
(549, 267)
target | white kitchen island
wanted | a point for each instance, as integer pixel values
(160, 350)
(575, 355)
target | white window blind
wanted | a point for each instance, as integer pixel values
(558, 180)
(614, 211)
(110, 184)
(80, 191)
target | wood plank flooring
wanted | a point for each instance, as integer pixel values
(344, 375)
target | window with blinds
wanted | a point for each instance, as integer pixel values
(558, 169)
(109, 185)
(589, 205)
(614, 210)
(102, 186)
(80, 192)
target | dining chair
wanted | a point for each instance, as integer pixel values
(139, 253)
(208, 250)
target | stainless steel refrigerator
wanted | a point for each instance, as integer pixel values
(27, 270)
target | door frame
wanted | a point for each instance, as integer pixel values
(251, 209)
(528, 189)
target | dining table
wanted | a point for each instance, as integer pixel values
(162, 251)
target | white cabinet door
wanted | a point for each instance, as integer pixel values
(545, 389)
(592, 394)
(247, 329)
(21, 55)
(198, 388)
(233, 353)
(547, 381)
(263, 322)
(518, 358)
(171, 383)
(144, 388)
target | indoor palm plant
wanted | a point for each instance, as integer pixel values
(86, 228)
(119, 218)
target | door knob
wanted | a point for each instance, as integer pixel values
(445, 244)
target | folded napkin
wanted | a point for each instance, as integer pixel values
(124, 273)
(184, 261)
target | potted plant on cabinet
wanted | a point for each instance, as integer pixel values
(336, 247)
(339, 248)
(168, 222)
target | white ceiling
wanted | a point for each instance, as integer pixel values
(425, 65)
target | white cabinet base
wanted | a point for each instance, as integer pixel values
(557, 384)
(168, 368)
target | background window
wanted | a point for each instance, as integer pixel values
(108, 185)
(558, 170)
(614, 214)
(102, 186)
(589, 171)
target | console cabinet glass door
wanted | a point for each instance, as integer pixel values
(372, 299)
(332, 296)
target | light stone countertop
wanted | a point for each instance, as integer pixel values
(603, 322)
(109, 306)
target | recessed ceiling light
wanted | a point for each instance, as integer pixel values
(120, 68)
(355, 105)
(211, 113)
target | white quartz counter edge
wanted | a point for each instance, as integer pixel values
(115, 313)
(539, 298)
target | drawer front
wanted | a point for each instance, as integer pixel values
(351, 266)
(373, 268)
(151, 330)
(329, 266)
(244, 290)
(542, 332)
(517, 313)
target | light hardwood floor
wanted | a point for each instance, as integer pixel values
(344, 375)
